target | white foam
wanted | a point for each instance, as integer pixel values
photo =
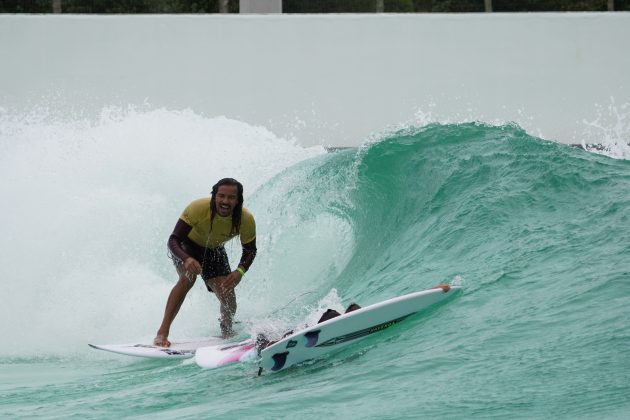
(611, 126)
(88, 206)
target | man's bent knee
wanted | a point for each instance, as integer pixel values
(185, 275)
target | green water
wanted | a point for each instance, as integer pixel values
(537, 233)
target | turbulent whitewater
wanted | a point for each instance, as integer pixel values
(535, 232)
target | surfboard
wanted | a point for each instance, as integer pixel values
(224, 354)
(179, 349)
(338, 332)
(324, 337)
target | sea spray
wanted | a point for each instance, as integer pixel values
(87, 211)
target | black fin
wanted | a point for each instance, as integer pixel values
(352, 307)
(329, 314)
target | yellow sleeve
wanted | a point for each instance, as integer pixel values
(248, 227)
(193, 213)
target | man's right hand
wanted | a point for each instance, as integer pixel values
(192, 267)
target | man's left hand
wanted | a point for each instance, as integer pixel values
(233, 279)
(227, 283)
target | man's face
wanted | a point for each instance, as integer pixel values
(226, 199)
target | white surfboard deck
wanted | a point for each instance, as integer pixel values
(224, 354)
(179, 349)
(348, 328)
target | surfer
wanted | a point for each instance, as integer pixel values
(196, 248)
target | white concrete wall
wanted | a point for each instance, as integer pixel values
(330, 79)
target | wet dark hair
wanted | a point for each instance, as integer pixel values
(238, 208)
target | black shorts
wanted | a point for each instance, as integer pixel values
(214, 261)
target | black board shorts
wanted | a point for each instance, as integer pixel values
(214, 261)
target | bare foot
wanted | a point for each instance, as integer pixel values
(161, 341)
(444, 287)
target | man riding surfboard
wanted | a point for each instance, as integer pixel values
(196, 248)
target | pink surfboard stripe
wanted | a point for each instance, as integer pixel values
(236, 354)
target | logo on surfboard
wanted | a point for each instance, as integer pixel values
(361, 333)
